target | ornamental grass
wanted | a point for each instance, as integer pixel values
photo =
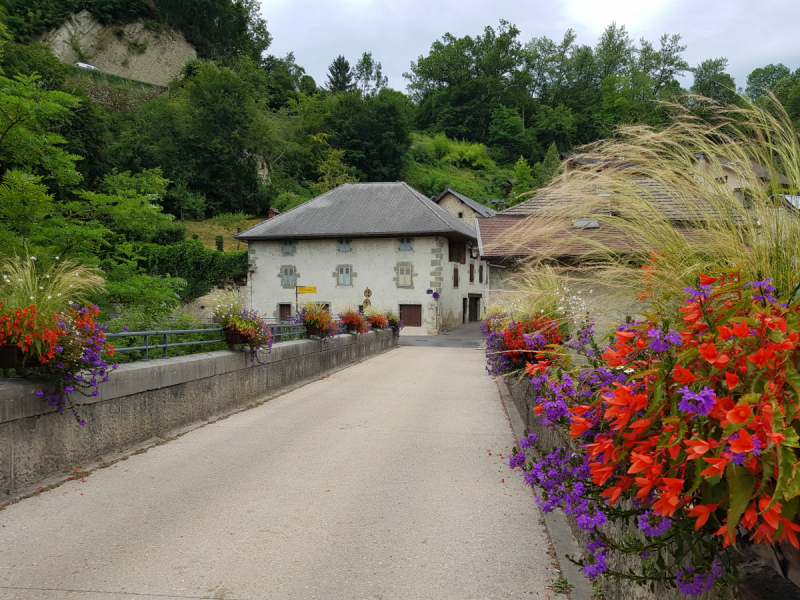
(657, 202)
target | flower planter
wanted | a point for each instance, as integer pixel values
(234, 338)
(313, 330)
(352, 329)
(11, 357)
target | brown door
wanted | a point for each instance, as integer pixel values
(474, 309)
(285, 312)
(411, 315)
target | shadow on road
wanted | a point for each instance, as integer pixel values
(466, 336)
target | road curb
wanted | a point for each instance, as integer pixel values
(558, 529)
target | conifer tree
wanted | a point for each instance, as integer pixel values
(340, 75)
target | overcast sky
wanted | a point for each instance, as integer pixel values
(749, 33)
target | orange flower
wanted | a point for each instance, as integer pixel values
(702, 512)
(740, 414)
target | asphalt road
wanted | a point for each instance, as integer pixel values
(383, 480)
(466, 336)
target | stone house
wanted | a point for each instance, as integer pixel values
(382, 240)
(462, 207)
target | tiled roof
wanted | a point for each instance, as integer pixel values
(362, 210)
(515, 236)
(553, 200)
(479, 208)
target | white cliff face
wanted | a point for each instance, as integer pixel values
(128, 50)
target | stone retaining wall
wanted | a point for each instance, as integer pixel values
(148, 399)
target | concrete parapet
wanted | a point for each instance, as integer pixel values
(148, 399)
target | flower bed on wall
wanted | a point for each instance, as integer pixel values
(684, 431)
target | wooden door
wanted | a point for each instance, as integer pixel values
(411, 315)
(285, 312)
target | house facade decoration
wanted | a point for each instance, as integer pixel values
(461, 207)
(383, 237)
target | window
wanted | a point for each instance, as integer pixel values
(455, 277)
(472, 272)
(288, 247)
(288, 277)
(343, 245)
(480, 274)
(405, 244)
(404, 276)
(461, 215)
(457, 252)
(344, 275)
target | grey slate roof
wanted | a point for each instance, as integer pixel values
(363, 210)
(479, 208)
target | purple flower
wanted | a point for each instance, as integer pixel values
(125, 328)
(693, 584)
(661, 342)
(696, 294)
(518, 460)
(700, 402)
(765, 288)
(595, 565)
(527, 441)
(654, 525)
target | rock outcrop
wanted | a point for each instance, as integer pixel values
(128, 50)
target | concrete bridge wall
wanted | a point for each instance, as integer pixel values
(151, 399)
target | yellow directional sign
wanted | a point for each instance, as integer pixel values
(307, 289)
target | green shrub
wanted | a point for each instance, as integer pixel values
(190, 260)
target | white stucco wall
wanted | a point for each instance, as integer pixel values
(374, 263)
(454, 206)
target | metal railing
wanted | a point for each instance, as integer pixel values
(279, 332)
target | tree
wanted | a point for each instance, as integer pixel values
(545, 170)
(340, 76)
(374, 131)
(764, 78)
(506, 134)
(333, 171)
(462, 80)
(523, 176)
(368, 76)
(711, 81)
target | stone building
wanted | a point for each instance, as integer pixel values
(466, 209)
(383, 237)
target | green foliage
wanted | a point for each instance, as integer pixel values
(544, 171)
(441, 146)
(763, 79)
(29, 117)
(150, 298)
(711, 81)
(218, 242)
(340, 76)
(368, 77)
(506, 134)
(189, 260)
(373, 131)
(523, 175)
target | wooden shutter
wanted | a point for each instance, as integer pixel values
(480, 274)
(455, 276)
(411, 315)
(463, 254)
(452, 248)
(472, 272)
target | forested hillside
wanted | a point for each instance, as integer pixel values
(110, 170)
